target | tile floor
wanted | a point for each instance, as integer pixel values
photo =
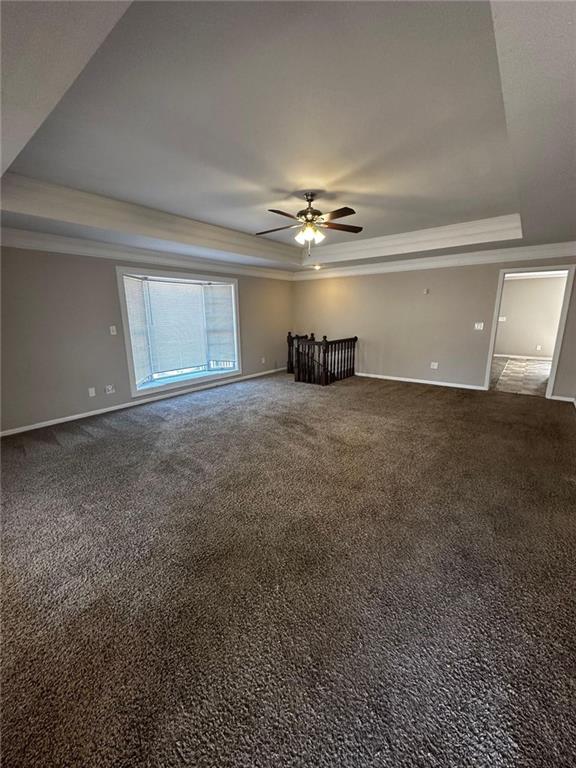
(520, 376)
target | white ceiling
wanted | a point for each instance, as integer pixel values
(416, 114)
(44, 47)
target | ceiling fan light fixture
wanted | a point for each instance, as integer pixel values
(309, 233)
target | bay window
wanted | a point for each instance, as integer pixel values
(178, 328)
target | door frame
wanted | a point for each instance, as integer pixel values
(570, 269)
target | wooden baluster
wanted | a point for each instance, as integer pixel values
(312, 350)
(297, 361)
(336, 361)
(314, 364)
(334, 366)
(315, 353)
(290, 361)
(331, 363)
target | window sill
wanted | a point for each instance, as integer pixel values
(175, 382)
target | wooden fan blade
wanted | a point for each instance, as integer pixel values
(267, 231)
(341, 227)
(282, 213)
(339, 213)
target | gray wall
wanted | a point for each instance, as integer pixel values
(57, 309)
(532, 310)
(402, 329)
(56, 313)
(566, 374)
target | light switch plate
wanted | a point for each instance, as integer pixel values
(434, 365)
(502, 319)
(113, 330)
(91, 392)
(479, 326)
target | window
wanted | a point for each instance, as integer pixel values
(178, 328)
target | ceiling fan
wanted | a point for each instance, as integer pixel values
(311, 222)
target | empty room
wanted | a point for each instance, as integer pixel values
(288, 384)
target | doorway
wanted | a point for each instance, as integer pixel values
(531, 310)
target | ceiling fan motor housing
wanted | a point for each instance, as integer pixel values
(309, 214)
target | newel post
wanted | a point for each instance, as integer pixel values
(290, 361)
(324, 362)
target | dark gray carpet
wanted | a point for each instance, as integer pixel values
(277, 574)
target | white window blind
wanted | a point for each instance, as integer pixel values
(179, 329)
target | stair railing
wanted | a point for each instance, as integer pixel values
(293, 340)
(321, 362)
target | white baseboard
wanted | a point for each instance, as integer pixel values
(525, 357)
(140, 401)
(562, 398)
(422, 381)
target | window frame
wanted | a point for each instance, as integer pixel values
(121, 272)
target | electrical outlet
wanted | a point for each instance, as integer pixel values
(426, 291)
(263, 360)
(113, 330)
(91, 392)
(538, 347)
(110, 389)
(434, 365)
(502, 319)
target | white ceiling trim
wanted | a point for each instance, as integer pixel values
(29, 197)
(496, 256)
(535, 275)
(38, 241)
(492, 230)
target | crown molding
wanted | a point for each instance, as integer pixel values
(38, 241)
(493, 230)
(50, 202)
(476, 258)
